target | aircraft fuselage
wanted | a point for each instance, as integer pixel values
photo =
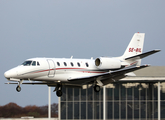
(54, 69)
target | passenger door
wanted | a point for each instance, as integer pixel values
(51, 64)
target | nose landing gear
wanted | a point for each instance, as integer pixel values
(18, 88)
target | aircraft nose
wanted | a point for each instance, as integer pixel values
(10, 74)
(7, 74)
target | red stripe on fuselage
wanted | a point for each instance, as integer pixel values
(69, 69)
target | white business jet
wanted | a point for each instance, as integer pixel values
(56, 72)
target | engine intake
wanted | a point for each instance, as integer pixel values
(107, 63)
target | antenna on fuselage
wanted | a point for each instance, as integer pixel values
(71, 57)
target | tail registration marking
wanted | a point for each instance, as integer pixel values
(134, 49)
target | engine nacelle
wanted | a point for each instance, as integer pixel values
(107, 63)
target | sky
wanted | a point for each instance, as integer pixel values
(78, 28)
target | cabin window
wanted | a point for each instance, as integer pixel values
(65, 64)
(27, 63)
(87, 64)
(78, 64)
(38, 64)
(34, 63)
(72, 64)
(58, 63)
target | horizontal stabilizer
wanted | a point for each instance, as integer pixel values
(140, 56)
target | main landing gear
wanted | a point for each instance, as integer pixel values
(96, 88)
(58, 90)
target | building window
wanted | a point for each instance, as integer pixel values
(76, 94)
(70, 110)
(83, 108)
(76, 110)
(90, 110)
(63, 108)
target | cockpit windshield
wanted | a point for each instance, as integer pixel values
(34, 63)
(31, 63)
(27, 63)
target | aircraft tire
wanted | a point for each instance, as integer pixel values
(18, 88)
(59, 93)
(96, 88)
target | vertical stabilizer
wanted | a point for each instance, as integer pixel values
(135, 46)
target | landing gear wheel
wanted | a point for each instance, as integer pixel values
(18, 88)
(59, 93)
(96, 88)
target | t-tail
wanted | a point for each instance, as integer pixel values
(133, 54)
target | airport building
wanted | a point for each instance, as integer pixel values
(141, 97)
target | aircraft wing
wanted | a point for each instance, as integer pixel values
(110, 76)
(140, 56)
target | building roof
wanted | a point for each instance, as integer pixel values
(151, 71)
(149, 74)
